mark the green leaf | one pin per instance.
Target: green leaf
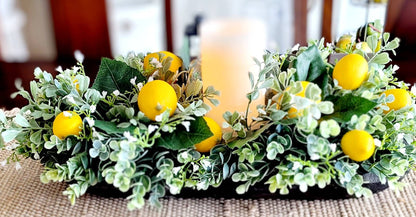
(386, 37)
(77, 148)
(382, 58)
(348, 105)
(21, 121)
(36, 137)
(392, 44)
(2, 143)
(111, 127)
(252, 136)
(115, 75)
(241, 189)
(94, 152)
(9, 135)
(310, 67)
(3, 118)
(84, 160)
(372, 41)
(180, 138)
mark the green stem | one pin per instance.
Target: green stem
(246, 115)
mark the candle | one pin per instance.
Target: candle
(227, 50)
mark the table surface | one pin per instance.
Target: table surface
(22, 194)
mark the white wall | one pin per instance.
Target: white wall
(38, 30)
(277, 14)
(136, 25)
(26, 31)
(314, 22)
(348, 16)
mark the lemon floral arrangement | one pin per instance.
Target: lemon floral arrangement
(333, 115)
(135, 128)
(141, 125)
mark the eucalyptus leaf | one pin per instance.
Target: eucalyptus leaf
(225, 171)
(36, 137)
(94, 152)
(372, 41)
(9, 135)
(104, 156)
(3, 118)
(77, 148)
(215, 102)
(392, 44)
(250, 137)
(181, 138)
(123, 125)
(2, 143)
(84, 160)
(381, 58)
(253, 95)
(386, 36)
(47, 116)
(115, 75)
(34, 89)
(36, 114)
(251, 78)
(21, 121)
(277, 115)
(273, 149)
(241, 189)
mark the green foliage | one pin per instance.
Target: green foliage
(111, 127)
(115, 75)
(349, 105)
(310, 67)
(118, 145)
(196, 132)
(304, 151)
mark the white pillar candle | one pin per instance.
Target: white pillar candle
(228, 47)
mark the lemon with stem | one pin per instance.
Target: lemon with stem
(358, 145)
(155, 97)
(351, 71)
(67, 123)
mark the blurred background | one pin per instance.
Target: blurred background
(46, 33)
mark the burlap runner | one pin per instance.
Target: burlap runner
(22, 194)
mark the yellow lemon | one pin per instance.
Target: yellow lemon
(155, 97)
(67, 123)
(149, 67)
(401, 99)
(209, 143)
(344, 42)
(351, 71)
(358, 145)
